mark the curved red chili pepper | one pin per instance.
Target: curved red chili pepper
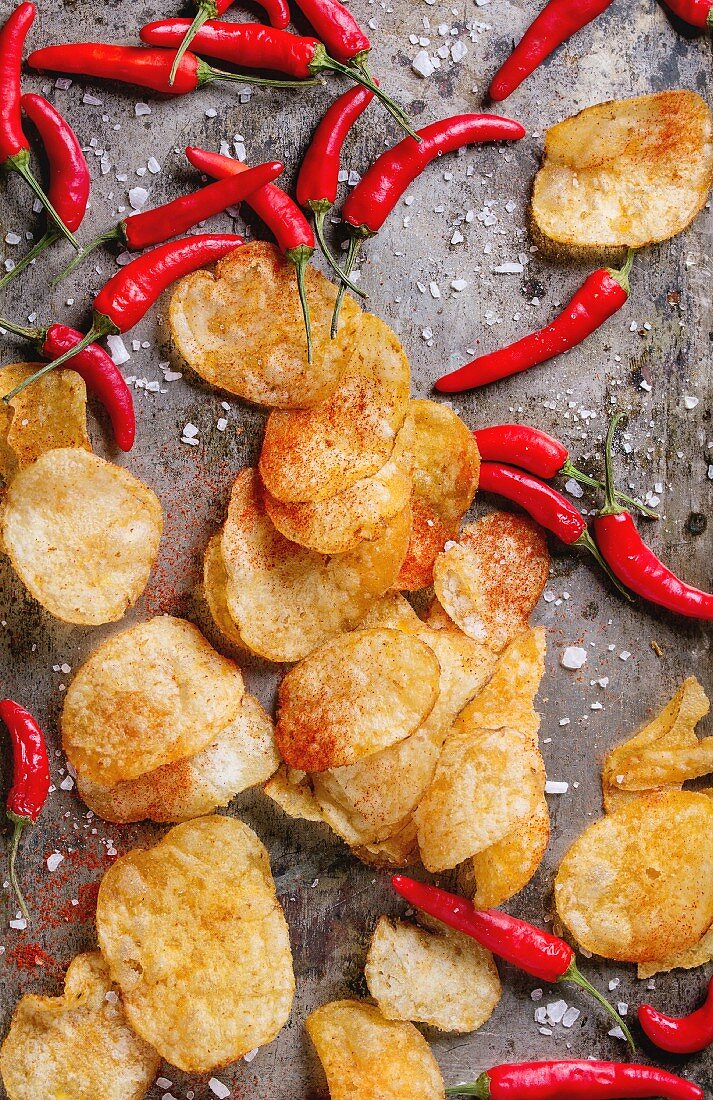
(680, 1034)
(697, 13)
(337, 28)
(570, 1080)
(31, 779)
(277, 10)
(603, 293)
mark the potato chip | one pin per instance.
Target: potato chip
(355, 695)
(446, 471)
(612, 175)
(241, 328)
(50, 413)
(196, 940)
(505, 868)
(290, 790)
(399, 850)
(78, 1046)
(486, 782)
(442, 978)
(215, 590)
(82, 535)
(637, 886)
(367, 1057)
(311, 454)
(287, 600)
(154, 694)
(491, 579)
(242, 756)
(394, 611)
(508, 697)
(698, 955)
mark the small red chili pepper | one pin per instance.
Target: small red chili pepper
(101, 375)
(557, 22)
(634, 564)
(697, 13)
(31, 780)
(14, 146)
(337, 28)
(599, 297)
(544, 956)
(130, 293)
(277, 10)
(680, 1034)
(570, 1080)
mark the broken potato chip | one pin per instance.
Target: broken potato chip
(506, 867)
(290, 789)
(399, 850)
(215, 591)
(508, 698)
(698, 955)
(49, 414)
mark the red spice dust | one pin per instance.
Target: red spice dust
(86, 909)
(28, 956)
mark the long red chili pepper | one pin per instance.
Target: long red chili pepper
(337, 28)
(544, 956)
(603, 293)
(572, 1080)
(31, 780)
(130, 293)
(680, 1034)
(557, 22)
(14, 146)
(634, 564)
(101, 375)
(697, 13)
(280, 214)
(277, 10)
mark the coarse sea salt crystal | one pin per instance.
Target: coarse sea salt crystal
(508, 268)
(141, 109)
(19, 924)
(571, 1016)
(422, 64)
(574, 488)
(117, 350)
(218, 1088)
(574, 657)
(250, 1055)
(556, 1010)
(688, 401)
(138, 197)
(54, 861)
(554, 786)
(153, 166)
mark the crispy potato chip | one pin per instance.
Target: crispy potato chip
(441, 978)
(287, 600)
(50, 413)
(505, 868)
(290, 789)
(491, 579)
(154, 694)
(637, 886)
(215, 590)
(357, 694)
(82, 535)
(241, 328)
(311, 454)
(76, 1046)
(486, 782)
(508, 697)
(625, 173)
(399, 850)
(395, 612)
(196, 940)
(242, 756)
(445, 474)
(367, 1057)
(698, 955)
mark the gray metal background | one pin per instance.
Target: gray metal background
(662, 337)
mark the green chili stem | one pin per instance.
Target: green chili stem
(354, 246)
(319, 219)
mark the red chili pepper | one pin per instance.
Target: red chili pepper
(128, 295)
(599, 297)
(31, 781)
(697, 13)
(544, 956)
(557, 22)
(337, 28)
(101, 375)
(280, 214)
(680, 1034)
(570, 1080)
(277, 10)
(634, 564)
(14, 146)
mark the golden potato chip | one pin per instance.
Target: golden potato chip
(243, 755)
(486, 782)
(50, 413)
(290, 790)
(149, 696)
(367, 1057)
(613, 175)
(637, 886)
(491, 579)
(82, 535)
(505, 868)
(215, 590)
(445, 476)
(508, 697)
(399, 850)
(287, 600)
(362, 511)
(394, 611)
(241, 328)
(357, 694)
(196, 940)
(441, 978)
(311, 454)
(78, 1046)
(698, 955)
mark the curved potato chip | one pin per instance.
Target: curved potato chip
(82, 535)
(395, 612)
(637, 885)
(50, 413)
(242, 756)
(505, 868)
(611, 176)
(399, 850)
(78, 1045)
(287, 600)
(196, 940)
(357, 694)
(698, 955)
(215, 590)
(149, 696)
(312, 454)
(508, 697)
(367, 1057)
(491, 579)
(290, 790)
(241, 328)
(441, 978)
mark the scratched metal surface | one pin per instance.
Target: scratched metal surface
(661, 338)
